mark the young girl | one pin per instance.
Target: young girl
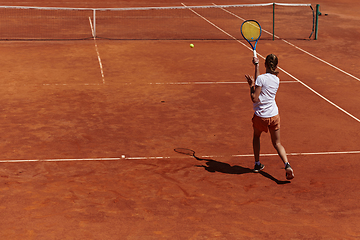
(266, 116)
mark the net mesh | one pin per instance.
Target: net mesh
(162, 23)
(35, 23)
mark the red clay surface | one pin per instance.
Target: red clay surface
(55, 106)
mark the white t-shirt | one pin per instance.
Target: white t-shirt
(266, 106)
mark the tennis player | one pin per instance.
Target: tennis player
(266, 117)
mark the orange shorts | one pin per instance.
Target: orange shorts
(263, 124)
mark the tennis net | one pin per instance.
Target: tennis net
(287, 21)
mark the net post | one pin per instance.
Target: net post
(94, 22)
(317, 21)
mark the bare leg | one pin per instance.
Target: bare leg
(256, 144)
(275, 138)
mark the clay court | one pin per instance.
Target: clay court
(89, 128)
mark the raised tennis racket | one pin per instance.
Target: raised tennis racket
(251, 32)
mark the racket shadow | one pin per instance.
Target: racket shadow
(216, 166)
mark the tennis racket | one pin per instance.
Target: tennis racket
(251, 32)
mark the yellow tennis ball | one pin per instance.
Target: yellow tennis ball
(192, 45)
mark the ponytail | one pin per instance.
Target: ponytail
(271, 63)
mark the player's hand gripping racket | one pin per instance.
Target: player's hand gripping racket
(251, 32)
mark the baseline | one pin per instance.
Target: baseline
(168, 157)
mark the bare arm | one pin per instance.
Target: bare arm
(254, 90)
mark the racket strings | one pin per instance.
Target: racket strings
(251, 30)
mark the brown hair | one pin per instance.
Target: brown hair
(271, 63)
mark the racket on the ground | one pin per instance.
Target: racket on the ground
(185, 151)
(251, 32)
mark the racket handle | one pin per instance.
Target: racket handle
(255, 55)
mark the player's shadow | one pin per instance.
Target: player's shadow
(211, 165)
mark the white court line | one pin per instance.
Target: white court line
(164, 83)
(312, 55)
(308, 87)
(321, 96)
(350, 75)
(97, 52)
(71, 84)
(300, 154)
(164, 158)
(207, 83)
